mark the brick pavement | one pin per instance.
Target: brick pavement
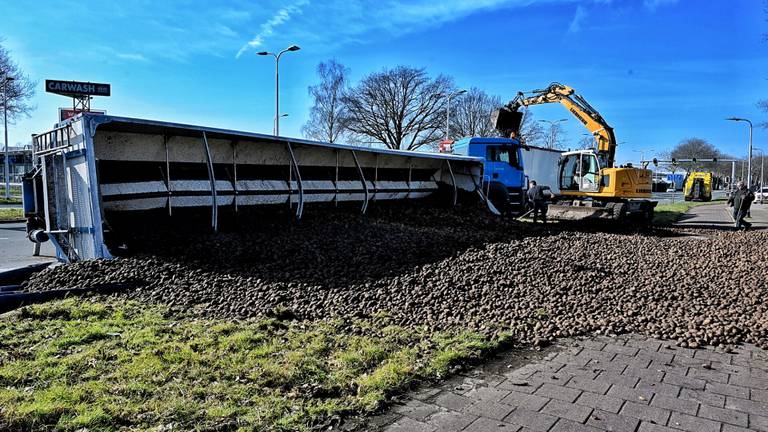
(626, 383)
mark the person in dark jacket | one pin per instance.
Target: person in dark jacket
(538, 200)
(741, 200)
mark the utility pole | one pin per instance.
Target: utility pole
(276, 128)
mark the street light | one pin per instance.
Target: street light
(642, 152)
(749, 156)
(448, 109)
(551, 143)
(276, 130)
(6, 175)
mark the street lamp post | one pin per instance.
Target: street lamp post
(749, 156)
(6, 174)
(276, 129)
(448, 109)
(551, 143)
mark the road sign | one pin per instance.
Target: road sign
(77, 88)
(65, 113)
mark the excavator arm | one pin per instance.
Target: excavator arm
(557, 93)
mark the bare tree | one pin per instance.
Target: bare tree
(471, 114)
(398, 108)
(700, 149)
(587, 142)
(328, 115)
(17, 91)
(531, 132)
(554, 136)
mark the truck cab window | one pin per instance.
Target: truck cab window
(502, 154)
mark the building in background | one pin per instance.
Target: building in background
(20, 162)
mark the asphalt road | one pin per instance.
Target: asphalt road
(16, 249)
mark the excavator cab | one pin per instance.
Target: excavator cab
(579, 171)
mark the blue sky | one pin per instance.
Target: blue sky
(658, 70)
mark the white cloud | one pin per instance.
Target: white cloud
(578, 18)
(268, 28)
(653, 4)
(132, 57)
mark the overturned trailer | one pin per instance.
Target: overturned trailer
(95, 170)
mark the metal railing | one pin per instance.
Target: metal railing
(53, 140)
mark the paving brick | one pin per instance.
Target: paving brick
(612, 422)
(703, 397)
(684, 381)
(425, 393)
(581, 371)
(577, 413)
(557, 378)
(417, 409)
(759, 395)
(659, 387)
(644, 373)
(708, 375)
(650, 427)
(692, 424)
(684, 406)
(732, 428)
(708, 354)
(451, 420)
(592, 344)
(406, 424)
(728, 390)
(748, 381)
(679, 351)
(724, 415)
(645, 412)
(615, 367)
(669, 368)
(745, 405)
(527, 401)
(572, 359)
(633, 395)
(637, 361)
(591, 385)
(489, 409)
(646, 344)
(758, 422)
(558, 392)
(531, 419)
(616, 379)
(621, 349)
(520, 385)
(564, 425)
(487, 393)
(488, 425)
(605, 403)
(589, 354)
(452, 401)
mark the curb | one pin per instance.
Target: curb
(12, 221)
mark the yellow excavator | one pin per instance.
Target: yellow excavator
(590, 186)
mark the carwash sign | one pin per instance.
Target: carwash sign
(77, 88)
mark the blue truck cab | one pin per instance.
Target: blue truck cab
(504, 180)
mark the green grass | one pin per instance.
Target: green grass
(667, 214)
(76, 364)
(11, 200)
(10, 214)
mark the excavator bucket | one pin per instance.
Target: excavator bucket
(506, 121)
(100, 178)
(575, 213)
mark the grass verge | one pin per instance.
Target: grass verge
(11, 214)
(78, 364)
(11, 200)
(667, 214)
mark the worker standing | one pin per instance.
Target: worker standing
(741, 200)
(538, 199)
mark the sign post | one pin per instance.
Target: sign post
(80, 92)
